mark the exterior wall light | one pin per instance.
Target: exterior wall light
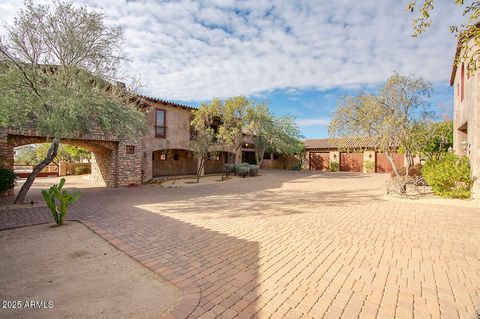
(465, 145)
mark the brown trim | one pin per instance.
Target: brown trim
(164, 135)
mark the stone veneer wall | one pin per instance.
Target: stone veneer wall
(110, 162)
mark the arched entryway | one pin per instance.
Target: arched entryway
(172, 162)
(214, 163)
(103, 162)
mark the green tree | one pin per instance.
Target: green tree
(470, 52)
(57, 64)
(388, 117)
(26, 155)
(431, 139)
(202, 125)
(233, 122)
(261, 129)
(287, 140)
(78, 153)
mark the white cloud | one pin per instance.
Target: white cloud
(196, 50)
(313, 122)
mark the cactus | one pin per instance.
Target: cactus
(64, 199)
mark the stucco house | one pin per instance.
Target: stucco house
(466, 137)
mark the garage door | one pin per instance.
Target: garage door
(319, 161)
(383, 164)
(351, 162)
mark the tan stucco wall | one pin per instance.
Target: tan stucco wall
(468, 111)
(177, 134)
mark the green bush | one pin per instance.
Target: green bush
(297, 167)
(253, 170)
(54, 194)
(7, 179)
(333, 166)
(370, 166)
(242, 170)
(82, 170)
(228, 169)
(449, 176)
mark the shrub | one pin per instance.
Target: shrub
(81, 170)
(253, 170)
(239, 166)
(7, 179)
(369, 166)
(228, 169)
(297, 167)
(333, 166)
(449, 176)
(242, 170)
(54, 194)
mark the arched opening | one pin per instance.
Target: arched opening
(172, 162)
(214, 164)
(70, 160)
(95, 159)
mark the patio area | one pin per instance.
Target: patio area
(291, 244)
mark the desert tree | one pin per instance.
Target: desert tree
(233, 123)
(58, 67)
(387, 117)
(203, 133)
(287, 141)
(468, 34)
(261, 129)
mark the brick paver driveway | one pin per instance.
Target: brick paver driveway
(293, 244)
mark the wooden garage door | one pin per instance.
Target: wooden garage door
(351, 162)
(319, 161)
(383, 164)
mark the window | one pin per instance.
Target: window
(275, 156)
(160, 127)
(130, 149)
(267, 155)
(462, 81)
(176, 157)
(163, 157)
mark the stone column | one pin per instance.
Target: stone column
(369, 161)
(6, 156)
(334, 157)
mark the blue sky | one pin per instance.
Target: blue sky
(300, 56)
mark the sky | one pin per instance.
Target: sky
(299, 56)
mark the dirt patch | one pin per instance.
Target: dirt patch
(70, 272)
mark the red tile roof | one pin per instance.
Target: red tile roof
(335, 143)
(155, 100)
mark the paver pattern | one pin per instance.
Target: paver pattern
(292, 245)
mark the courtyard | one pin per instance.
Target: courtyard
(289, 244)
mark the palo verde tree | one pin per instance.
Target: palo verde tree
(261, 129)
(233, 122)
(202, 126)
(287, 140)
(388, 117)
(57, 64)
(468, 34)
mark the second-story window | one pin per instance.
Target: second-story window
(160, 127)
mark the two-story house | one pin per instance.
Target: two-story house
(466, 137)
(167, 142)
